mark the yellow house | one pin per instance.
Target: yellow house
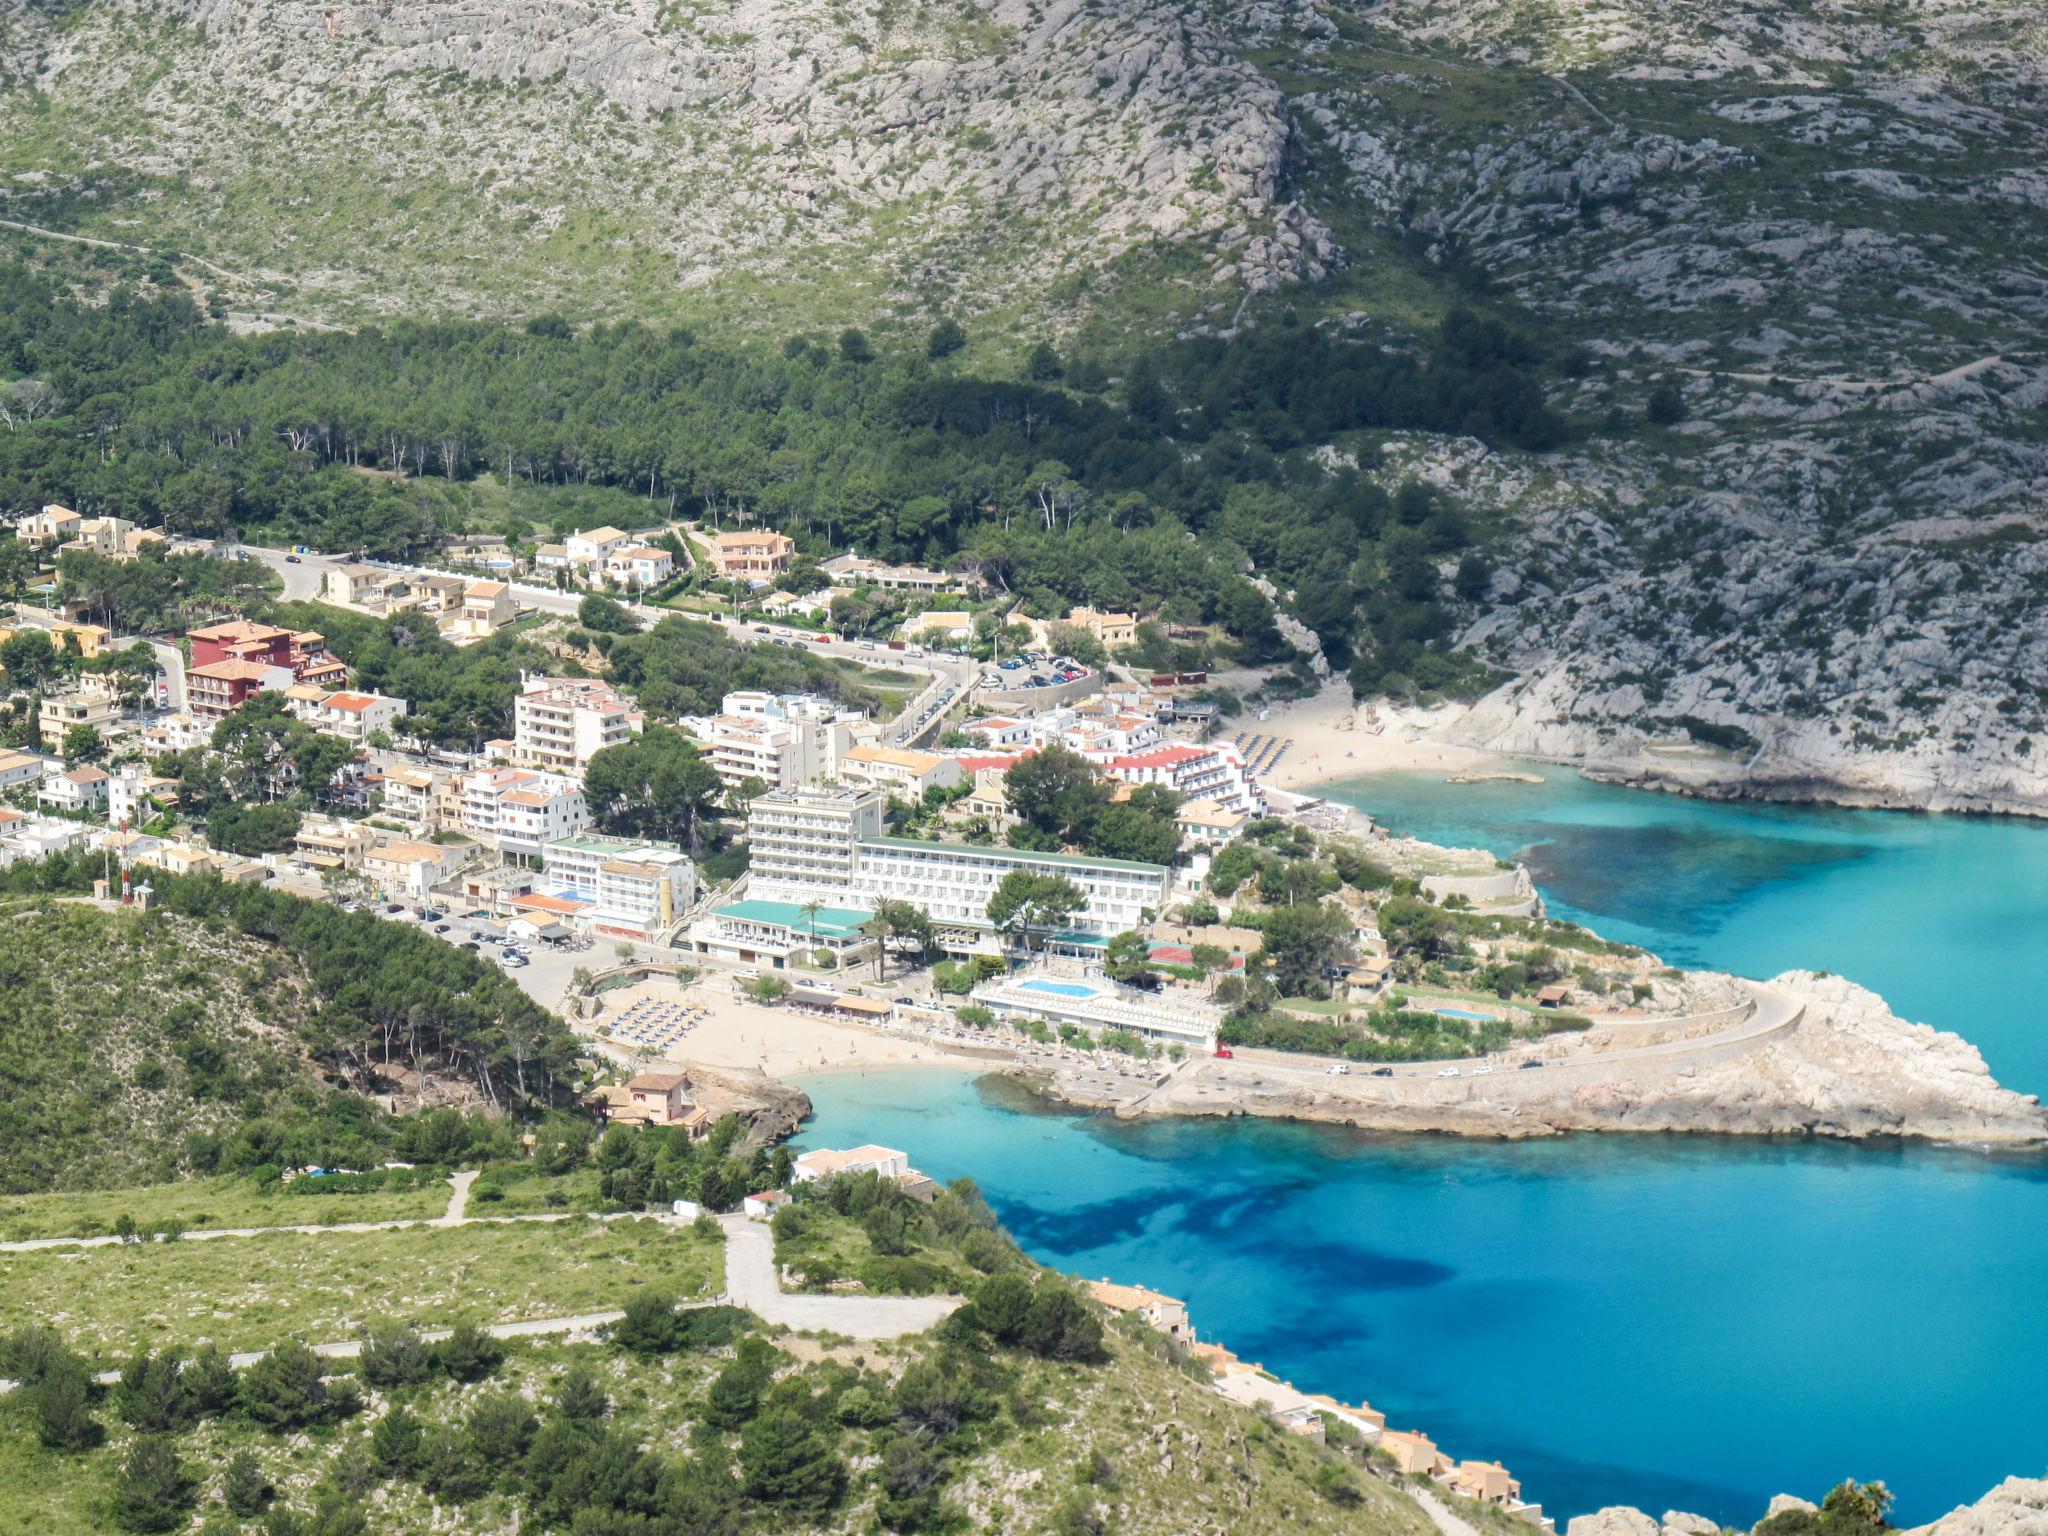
(1110, 628)
(92, 638)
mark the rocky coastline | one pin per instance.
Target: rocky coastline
(2016, 1507)
(1840, 1065)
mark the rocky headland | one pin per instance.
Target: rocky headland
(2016, 1507)
(1817, 1056)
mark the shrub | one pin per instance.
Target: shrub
(154, 1492)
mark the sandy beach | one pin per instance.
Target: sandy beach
(739, 1035)
(1334, 738)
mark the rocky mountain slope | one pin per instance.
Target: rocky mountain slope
(1799, 256)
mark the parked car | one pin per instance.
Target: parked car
(394, 906)
(1448, 1072)
(1481, 1071)
(1382, 1071)
(431, 914)
(1527, 1065)
(293, 560)
(1225, 1053)
(1340, 1070)
(467, 944)
(440, 927)
(904, 1002)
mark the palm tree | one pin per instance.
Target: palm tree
(881, 928)
(810, 910)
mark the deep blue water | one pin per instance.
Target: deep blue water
(1658, 1321)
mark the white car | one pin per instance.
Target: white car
(1340, 1070)
(1481, 1071)
(1448, 1072)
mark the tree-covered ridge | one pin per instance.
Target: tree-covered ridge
(370, 995)
(1160, 479)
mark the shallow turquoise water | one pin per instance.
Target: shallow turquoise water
(1946, 916)
(1659, 1321)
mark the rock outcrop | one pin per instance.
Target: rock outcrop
(2016, 1507)
(1820, 1056)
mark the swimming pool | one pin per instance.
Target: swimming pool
(1464, 1013)
(1057, 988)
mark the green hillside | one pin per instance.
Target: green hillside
(122, 1035)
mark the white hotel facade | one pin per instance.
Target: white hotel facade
(826, 843)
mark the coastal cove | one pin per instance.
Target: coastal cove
(1670, 1322)
(1692, 1323)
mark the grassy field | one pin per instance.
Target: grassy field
(201, 1203)
(246, 1293)
(523, 1192)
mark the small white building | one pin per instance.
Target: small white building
(762, 1207)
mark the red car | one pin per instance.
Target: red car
(1225, 1053)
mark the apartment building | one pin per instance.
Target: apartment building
(519, 812)
(781, 739)
(325, 842)
(176, 733)
(221, 687)
(416, 795)
(625, 887)
(134, 794)
(303, 653)
(826, 843)
(907, 772)
(95, 703)
(351, 716)
(1213, 773)
(560, 723)
(759, 555)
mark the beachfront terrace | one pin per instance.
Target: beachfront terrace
(1097, 1005)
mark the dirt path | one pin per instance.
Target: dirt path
(751, 1282)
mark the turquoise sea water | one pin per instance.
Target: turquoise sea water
(1659, 1321)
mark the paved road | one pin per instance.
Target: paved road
(751, 1282)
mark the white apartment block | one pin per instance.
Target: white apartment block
(781, 739)
(561, 723)
(633, 889)
(1212, 773)
(415, 795)
(826, 843)
(176, 733)
(519, 813)
(906, 771)
(349, 715)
